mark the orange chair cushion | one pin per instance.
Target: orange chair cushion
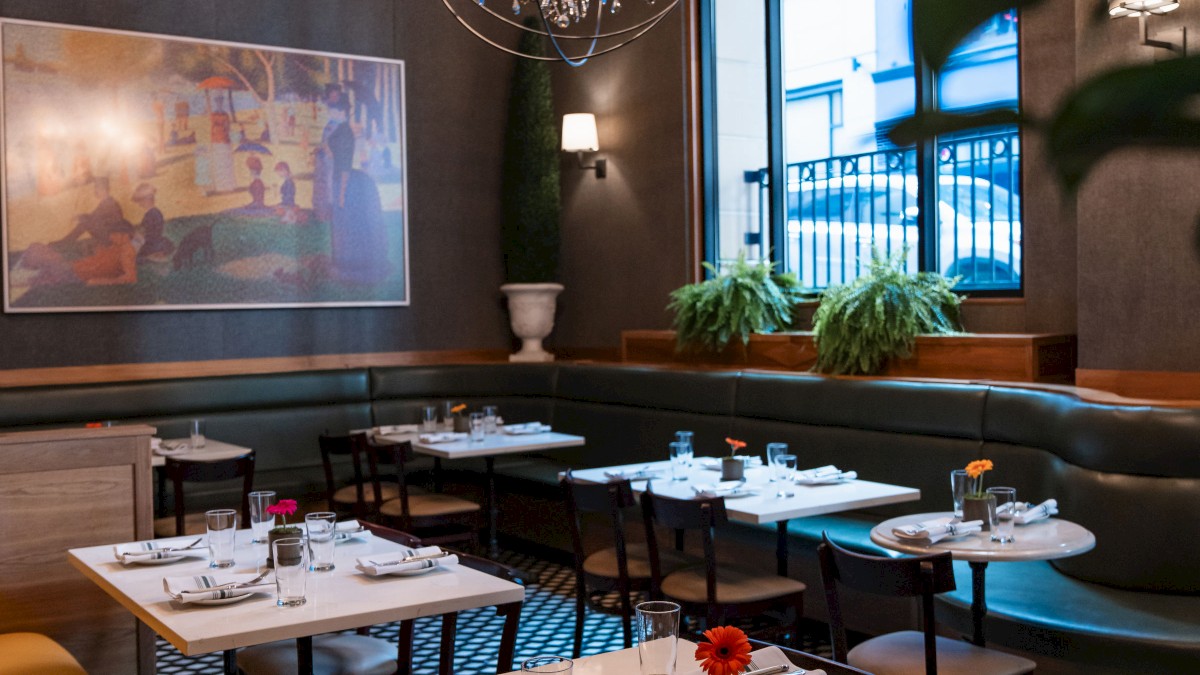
(35, 654)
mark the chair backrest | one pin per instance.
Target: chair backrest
(332, 446)
(180, 471)
(703, 515)
(395, 454)
(917, 576)
(610, 499)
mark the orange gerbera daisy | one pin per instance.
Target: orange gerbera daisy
(975, 469)
(735, 444)
(727, 651)
(458, 408)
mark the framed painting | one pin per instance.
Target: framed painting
(149, 172)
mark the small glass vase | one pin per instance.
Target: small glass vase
(979, 508)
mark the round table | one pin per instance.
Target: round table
(1041, 540)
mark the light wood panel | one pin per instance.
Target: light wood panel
(1181, 386)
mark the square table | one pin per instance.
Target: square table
(489, 448)
(765, 507)
(338, 600)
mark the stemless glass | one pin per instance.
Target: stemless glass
(490, 413)
(429, 419)
(320, 528)
(291, 570)
(785, 470)
(560, 665)
(447, 415)
(958, 487)
(261, 522)
(477, 428)
(657, 633)
(774, 450)
(198, 428)
(686, 437)
(1002, 528)
(222, 529)
(680, 454)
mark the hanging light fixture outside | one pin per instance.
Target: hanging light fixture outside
(576, 29)
(1175, 41)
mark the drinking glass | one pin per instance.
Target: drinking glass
(198, 427)
(785, 469)
(261, 522)
(429, 419)
(320, 528)
(958, 486)
(447, 416)
(686, 437)
(560, 665)
(1002, 529)
(657, 636)
(291, 570)
(490, 413)
(477, 428)
(680, 454)
(774, 450)
(222, 527)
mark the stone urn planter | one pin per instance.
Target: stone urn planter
(531, 314)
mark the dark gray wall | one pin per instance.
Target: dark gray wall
(456, 88)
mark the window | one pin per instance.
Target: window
(813, 109)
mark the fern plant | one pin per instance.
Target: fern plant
(747, 298)
(858, 327)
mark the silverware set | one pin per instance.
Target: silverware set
(156, 551)
(411, 559)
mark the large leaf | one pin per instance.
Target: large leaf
(939, 25)
(928, 124)
(1145, 105)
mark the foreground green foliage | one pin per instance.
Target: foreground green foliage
(748, 298)
(878, 316)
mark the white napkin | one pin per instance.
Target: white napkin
(369, 567)
(444, 437)
(195, 589)
(1029, 514)
(175, 447)
(714, 463)
(349, 528)
(759, 659)
(826, 478)
(819, 471)
(154, 550)
(635, 474)
(527, 428)
(933, 531)
(396, 429)
(722, 489)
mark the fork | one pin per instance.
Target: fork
(415, 558)
(154, 551)
(237, 584)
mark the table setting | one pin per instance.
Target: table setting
(407, 562)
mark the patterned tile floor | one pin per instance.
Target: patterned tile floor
(547, 621)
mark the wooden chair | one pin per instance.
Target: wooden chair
(621, 567)
(435, 518)
(716, 593)
(350, 498)
(358, 654)
(181, 471)
(904, 652)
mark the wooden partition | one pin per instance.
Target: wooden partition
(62, 489)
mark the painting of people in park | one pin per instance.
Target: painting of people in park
(146, 172)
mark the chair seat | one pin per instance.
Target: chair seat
(193, 523)
(734, 585)
(348, 495)
(35, 654)
(425, 506)
(341, 654)
(603, 563)
(903, 653)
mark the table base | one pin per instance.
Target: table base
(978, 600)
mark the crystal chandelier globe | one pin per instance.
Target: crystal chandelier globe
(576, 29)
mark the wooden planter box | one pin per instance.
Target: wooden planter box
(981, 356)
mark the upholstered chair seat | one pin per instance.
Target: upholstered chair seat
(903, 653)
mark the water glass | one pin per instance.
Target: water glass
(477, 428)
(261, 522)
(560, 665)
(686, 437)
(222, 528)
(1002, 529)
(775, 450)
(657, 633)
(680, 454)
(447, 415)
(291, 571)
(785, 470)
(320, 528)
(958, 486)
(490, 413)
(429, 419)
(198, 427)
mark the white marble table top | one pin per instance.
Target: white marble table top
(1042, 540)
(764, 507)
(337, 600)
(493, 444)
(211, 452)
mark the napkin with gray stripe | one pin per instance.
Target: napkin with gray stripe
(207, 588)
(935, 530)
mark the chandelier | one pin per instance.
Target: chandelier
(576, 29)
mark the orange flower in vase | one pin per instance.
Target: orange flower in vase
(734, 445)
(727, 651)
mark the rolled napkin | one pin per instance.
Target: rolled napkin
(527, 428)
(1029, 514)
(205, 588)
(933, 531)
(827, 478)
(634, 474)
(175, 447)
(349, 528)
(722, 489)
(396, 429)
(770, 659)
(714, 463)
(819, 471)
(405, 560)
(443, 437)
(144, 551)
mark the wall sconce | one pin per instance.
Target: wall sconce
(579, 136)
(1144, 8)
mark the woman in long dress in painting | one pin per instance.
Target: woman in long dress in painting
(358, 236)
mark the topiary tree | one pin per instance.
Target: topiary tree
(530, 199)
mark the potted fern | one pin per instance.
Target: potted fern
(861, 326)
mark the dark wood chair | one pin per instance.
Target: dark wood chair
(182, 471)
(904, 651)
(352, 498)
(622, 567)
(810, 661)
(717, 594)
(435, 518)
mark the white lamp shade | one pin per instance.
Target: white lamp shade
(1138, 7)
(579, 133)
